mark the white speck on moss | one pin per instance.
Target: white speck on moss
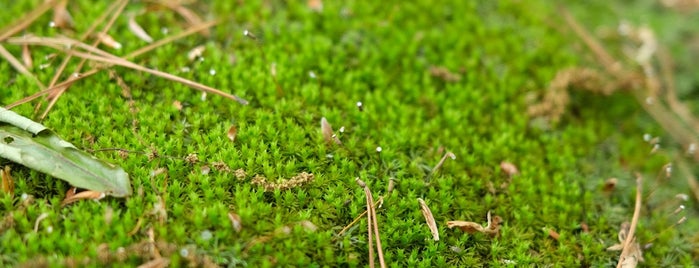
(206, 235)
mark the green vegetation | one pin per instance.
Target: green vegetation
(378, 53)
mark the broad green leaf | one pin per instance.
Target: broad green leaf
(29, 143)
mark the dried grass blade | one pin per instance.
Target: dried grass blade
(189, 31)
(134, 54)
(27, 57)
(429, 219)
(137, 30)
(61, 16)
(327, 130)
(131, 65)
(94, 195)
(8, 185)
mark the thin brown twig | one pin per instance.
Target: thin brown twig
(634, 220)
(141, 51)
(356, 219)
(105, 57)
(187, 82)
(54, 96)
(605, 58)
(191, 30)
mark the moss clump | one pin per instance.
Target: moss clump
(400, 60)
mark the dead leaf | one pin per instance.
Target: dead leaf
(327, 130)
(27, 57)
(308, 225)
(61, 16)
(235, 221)
(177, 104)
(192, 18)
(509, 168)
(492, 229)
(72, 196)
(232, 132)
(444, 74)
(609, 185)
(553, 234)
(466, 226)
(196, 52)
(635, 254)
(221, 166)
(137, 30)
(429, 219)
(108, 40)
(391, 185)
(8, 185)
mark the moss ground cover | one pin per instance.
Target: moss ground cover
(391, 57)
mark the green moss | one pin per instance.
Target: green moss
(379, 54)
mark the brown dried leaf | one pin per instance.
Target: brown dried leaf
(308, 225)
(192, 18)
(327, 130)
(553, 234)
(466, 226)
(8, 185)
(72, 197)
(509, 168)
(232, 132)
(137, 30)
(61, 16)
(196, 52)
(315, 5)
(177, 104)
(492, 229)
(108, 40)
(27, 57)
(444, 74)
(429, 219)
(235, 222)
(610, 185)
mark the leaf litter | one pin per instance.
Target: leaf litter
(492, 228)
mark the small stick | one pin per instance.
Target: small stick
(131, 55)
(356, 220)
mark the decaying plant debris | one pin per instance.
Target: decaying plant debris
(429, 218)
(218, 187)
(372, 222)
(492, 228)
